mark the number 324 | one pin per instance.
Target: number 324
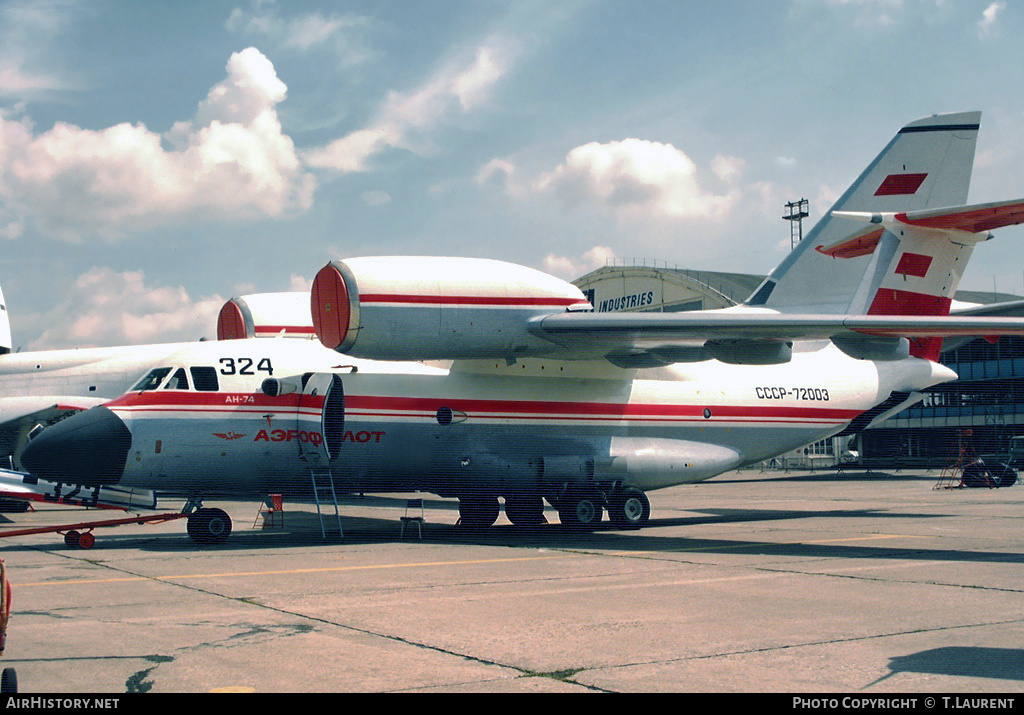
(244, 366)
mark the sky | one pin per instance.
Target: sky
(159, 158)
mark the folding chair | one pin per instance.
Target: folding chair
(413, 504)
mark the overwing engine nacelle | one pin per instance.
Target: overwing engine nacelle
(428, 307)
(265, 315)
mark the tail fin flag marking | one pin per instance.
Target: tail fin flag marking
(901, 184)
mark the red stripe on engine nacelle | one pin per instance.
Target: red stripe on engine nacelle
(467, 299)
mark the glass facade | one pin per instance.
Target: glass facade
(980, 412)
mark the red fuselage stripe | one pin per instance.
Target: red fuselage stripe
(465, 299)
(380, 406)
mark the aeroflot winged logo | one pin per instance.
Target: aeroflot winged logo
(229, 436)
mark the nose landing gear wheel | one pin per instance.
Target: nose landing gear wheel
(209, 526)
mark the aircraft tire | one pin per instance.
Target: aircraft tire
(71, 539)
(209, 526)
(525, 509)
(478, 512)
(581, 513)
(9, 681)
(630, 508)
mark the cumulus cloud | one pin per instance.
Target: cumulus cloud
(987, 24)
(460, 87)
(299, 283)
(572, 268)
(637, 174)
(232, 160)
(105, 308)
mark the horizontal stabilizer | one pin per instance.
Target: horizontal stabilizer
(861, 243)
(973, 219)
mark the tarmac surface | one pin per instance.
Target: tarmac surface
(797, 582)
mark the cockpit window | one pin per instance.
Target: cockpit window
(205, 378)
(152, 379)
(178, 381)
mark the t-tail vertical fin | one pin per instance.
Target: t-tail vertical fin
(926, 165)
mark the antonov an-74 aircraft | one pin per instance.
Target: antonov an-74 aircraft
(546, 399)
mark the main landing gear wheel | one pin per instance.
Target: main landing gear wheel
(629, 508)
(209, 526)
(478, 512)
(580, 512)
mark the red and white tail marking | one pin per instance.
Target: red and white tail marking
(934, 246)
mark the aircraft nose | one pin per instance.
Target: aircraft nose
(89, 448)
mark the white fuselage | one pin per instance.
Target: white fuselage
(486, 424)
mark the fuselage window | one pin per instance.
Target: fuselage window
(152, 379)
(205, 378)
(178, 381)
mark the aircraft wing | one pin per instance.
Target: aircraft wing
(621, 328)
(17, 413)
(680, 337)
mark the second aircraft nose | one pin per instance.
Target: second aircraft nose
(89, 448)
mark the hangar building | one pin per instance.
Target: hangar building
(983, 409)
